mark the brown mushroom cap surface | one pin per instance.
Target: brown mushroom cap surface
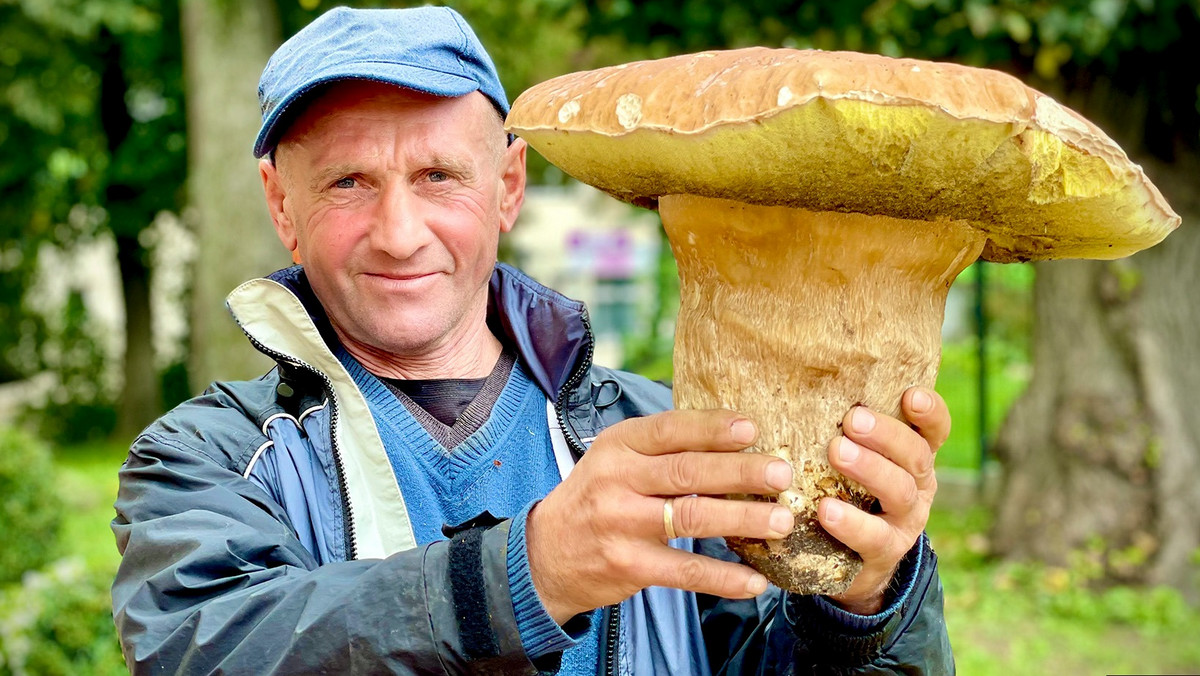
(819, 206)
(854, 133)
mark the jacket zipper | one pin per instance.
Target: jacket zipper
(351, 541)
(613, 639)
(613, 630)
(560, 406)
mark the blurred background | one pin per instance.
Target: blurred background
(130, 205)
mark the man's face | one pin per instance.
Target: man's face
(394, 201)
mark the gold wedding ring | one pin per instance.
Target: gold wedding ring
(669, 518)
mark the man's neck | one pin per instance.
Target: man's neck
(472, 355)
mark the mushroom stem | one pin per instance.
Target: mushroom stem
(792, 317)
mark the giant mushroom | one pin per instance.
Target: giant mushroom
(819, 205)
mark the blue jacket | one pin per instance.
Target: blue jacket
(262, 530)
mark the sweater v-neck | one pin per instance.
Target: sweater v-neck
(471, 418)
(438, 447)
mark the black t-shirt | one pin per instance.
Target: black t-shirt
(442, 399)
(452, 409)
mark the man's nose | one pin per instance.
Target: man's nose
(401, 228)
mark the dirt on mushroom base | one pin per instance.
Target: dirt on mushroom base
(792, 317)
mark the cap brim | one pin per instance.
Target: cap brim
(408, 77)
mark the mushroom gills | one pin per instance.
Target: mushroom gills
(792, 317)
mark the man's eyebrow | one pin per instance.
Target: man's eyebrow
(455, 164)
(331, 172)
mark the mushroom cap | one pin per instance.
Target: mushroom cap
(854, 133)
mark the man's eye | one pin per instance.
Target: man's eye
(344, 182)
(438, 176)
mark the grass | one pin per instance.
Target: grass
(1015, 619)
(958, 383)
(88, 475)
(57, 619)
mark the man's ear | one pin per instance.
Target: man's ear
(276, 194)
(513, 178)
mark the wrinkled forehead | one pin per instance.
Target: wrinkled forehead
(327, 106)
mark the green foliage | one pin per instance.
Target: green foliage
(30, 509)
(175, 387)
(87, 481)
(59, 620)
(1027, 618)
(1073, 593)
(1007, 305)
(91, 139)
(79, 408)
(1123, 280)
(958, 382)
(1008, 310)
(59, 623)
(44, 161)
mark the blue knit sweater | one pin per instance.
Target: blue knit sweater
(504, 467)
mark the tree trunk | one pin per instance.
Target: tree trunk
(141, 396)
(226, 45)
(1102, 451)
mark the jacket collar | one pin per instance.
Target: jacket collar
(550, 332)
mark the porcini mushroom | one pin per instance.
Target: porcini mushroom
(819, 205)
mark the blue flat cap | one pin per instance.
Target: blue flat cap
(429, 49)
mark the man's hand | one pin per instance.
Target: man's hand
(895, 463)
(599, 536)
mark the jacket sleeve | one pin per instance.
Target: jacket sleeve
(214, 580)
(793, 634)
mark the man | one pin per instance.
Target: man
(408, 492)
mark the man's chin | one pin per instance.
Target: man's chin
(410, 341)
(412, 337)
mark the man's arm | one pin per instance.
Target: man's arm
(213, 579)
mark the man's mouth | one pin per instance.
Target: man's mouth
(401, 276)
